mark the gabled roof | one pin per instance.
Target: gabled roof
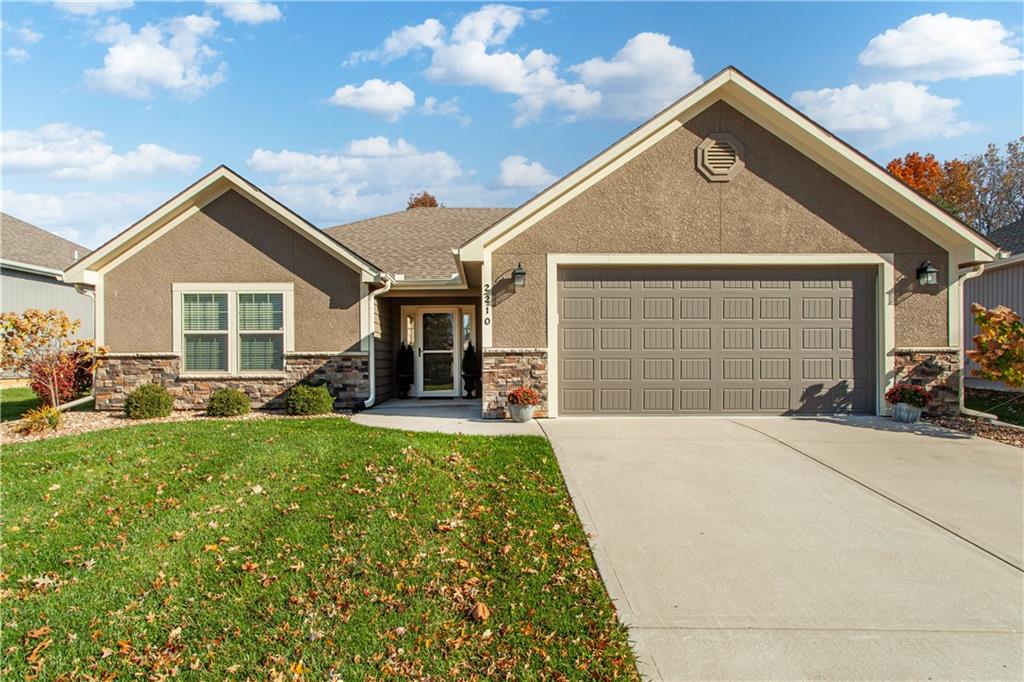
(783, 121)
(192, 199)
(1010, 237)
(22, 244)
(418, 242)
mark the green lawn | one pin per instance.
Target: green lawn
(15, 402)
(241, 548)
(1009, 407)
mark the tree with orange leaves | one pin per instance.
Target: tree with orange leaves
(923, 174)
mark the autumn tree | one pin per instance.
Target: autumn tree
(43, 344)
(999, 345)
(998, 187)
(923, 174)
(985, 191)
(422, 200)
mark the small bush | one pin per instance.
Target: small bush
(73, 378)
(149, 401)
(227, 402)
(42, 419)
(304, 399)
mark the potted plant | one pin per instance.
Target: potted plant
(521, 401)
(406, 364)
(470, 371)
(908, 400)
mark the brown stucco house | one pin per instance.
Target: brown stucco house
(727, 256)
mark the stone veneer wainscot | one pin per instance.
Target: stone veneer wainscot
(118, 374)
(508, 368)
(936, 369)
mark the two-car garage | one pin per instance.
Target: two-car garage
(723, 340)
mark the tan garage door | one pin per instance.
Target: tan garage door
(713, 341)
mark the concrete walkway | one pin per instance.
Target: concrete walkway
(443, 415)
(740, 549)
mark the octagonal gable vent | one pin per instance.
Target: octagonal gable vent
(719, 157)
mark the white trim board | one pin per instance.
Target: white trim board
(885, 318)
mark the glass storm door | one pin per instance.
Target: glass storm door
(436, 357)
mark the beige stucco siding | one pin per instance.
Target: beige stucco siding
(658, 203)
(231, 240)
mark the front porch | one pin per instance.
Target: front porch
(445, 415)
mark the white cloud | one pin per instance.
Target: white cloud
(17, 54)
(93, 7)
(27, 36)
(377, 97)
(450, 108)
(883, 114)
(491, 24)
(88, 218)
(62, 151)
(646, 75)
(402, 41)
(518, 171)
(248, 11)
(171, 55)
(932, 47)
(370, 176)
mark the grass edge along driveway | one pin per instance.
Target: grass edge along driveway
(305, 548)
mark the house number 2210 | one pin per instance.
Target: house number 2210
(487, 303)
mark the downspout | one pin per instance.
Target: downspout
(371, 359)
(963, 353)
(91, 293)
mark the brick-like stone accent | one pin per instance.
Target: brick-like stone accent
(936, 369)
(347, 376)
(505, 369)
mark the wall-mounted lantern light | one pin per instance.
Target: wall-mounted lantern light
(519, 276)
(927, 274)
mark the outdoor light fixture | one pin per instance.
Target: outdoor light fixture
(519, 277)
(927, 274)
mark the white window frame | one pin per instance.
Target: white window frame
(233, 289)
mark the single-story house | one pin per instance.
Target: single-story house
(1000, 283)
(32, 262)
(728, 256)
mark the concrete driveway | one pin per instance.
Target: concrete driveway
(771, 548)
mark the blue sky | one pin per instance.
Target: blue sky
(343, 110)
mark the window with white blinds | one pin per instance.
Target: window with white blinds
(233, 331)
(264, 313)
(204, 318)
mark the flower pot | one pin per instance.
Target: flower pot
(470, 382)
(908, 414)
(521, 413)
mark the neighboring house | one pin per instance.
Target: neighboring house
(1001, 283)
(32, 262)
(729, 256)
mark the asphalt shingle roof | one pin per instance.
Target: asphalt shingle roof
(1010, 237)
(25, 243)
(417, 242)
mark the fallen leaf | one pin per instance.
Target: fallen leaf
(39, 632)
(480, 612)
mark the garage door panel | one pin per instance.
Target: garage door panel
(726, 340)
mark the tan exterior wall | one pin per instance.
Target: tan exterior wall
(231, 240)
(659, 203)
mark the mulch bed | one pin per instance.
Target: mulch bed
(76, 423)
(1011, 435)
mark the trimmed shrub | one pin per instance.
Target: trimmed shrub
(45, 418)
(148, 401)
(305, 399)
(227, 402)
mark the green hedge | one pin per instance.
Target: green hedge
(305, 399)
(149, 401)
(227, 402)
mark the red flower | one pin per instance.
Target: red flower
(523, 395)
(910, 394)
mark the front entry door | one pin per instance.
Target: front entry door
(437, 370)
